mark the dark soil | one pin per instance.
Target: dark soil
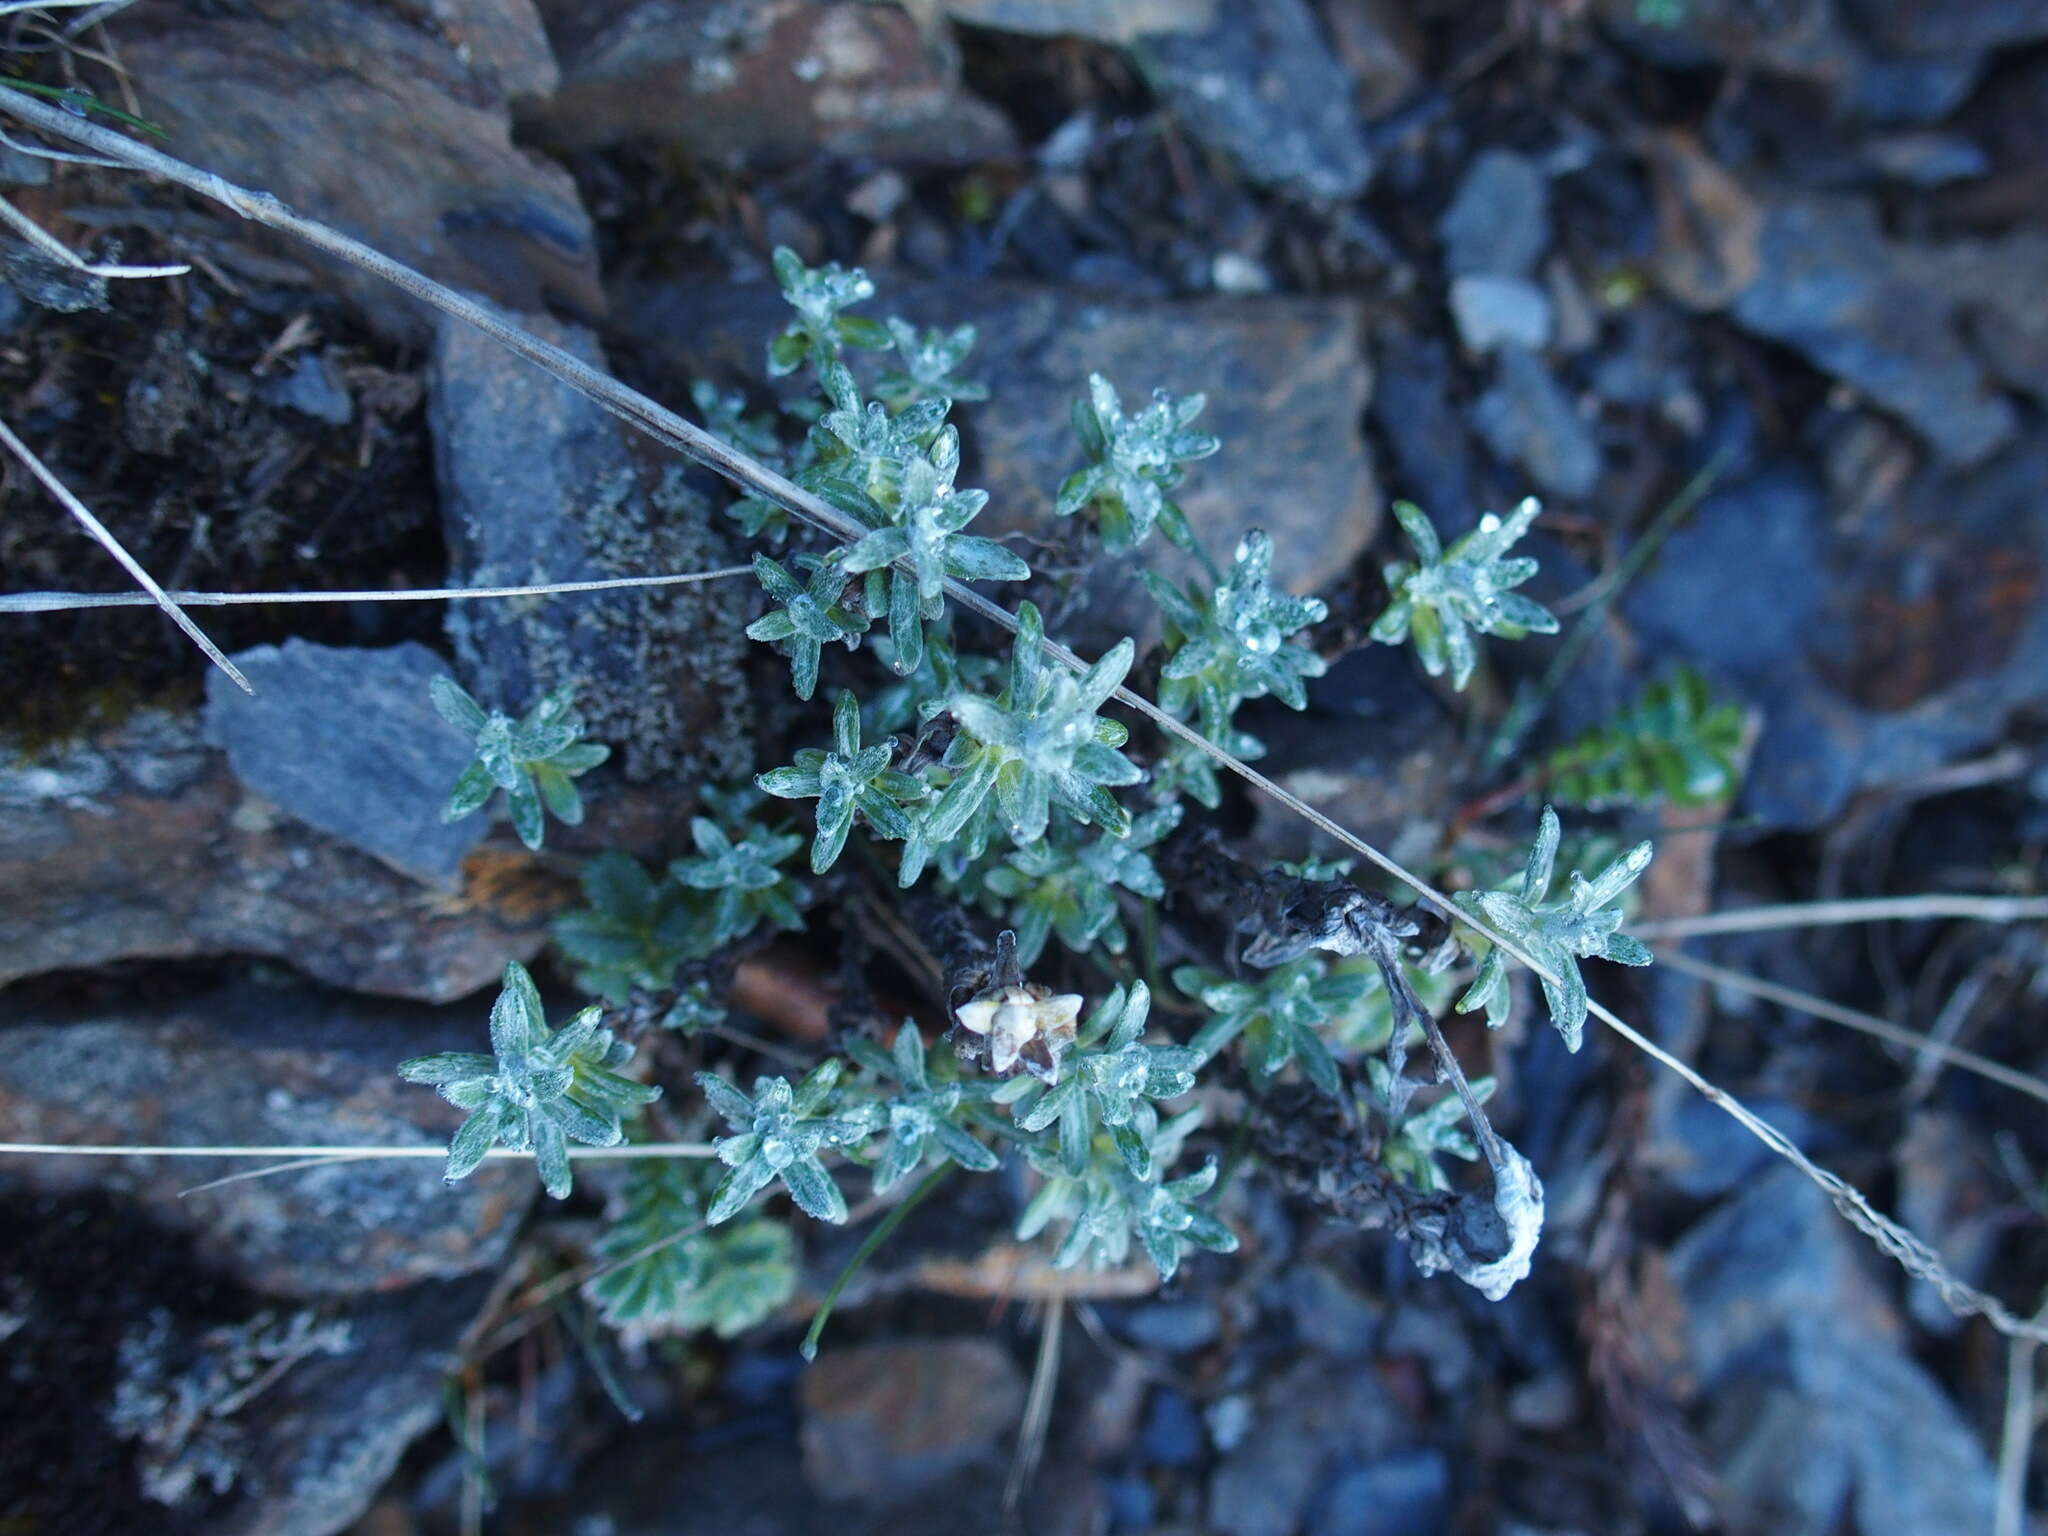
(86, 1272)
(153, 414)
(161, 413)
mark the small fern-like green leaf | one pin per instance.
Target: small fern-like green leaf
(1676, 744)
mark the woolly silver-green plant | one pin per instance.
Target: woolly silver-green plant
(538, 1090)
(1444, 597)
(1558, 934)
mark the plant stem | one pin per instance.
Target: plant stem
(880, 1235)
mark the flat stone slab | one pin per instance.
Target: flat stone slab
(139, 842)
(303, 101)
(347, 740)
(253, 1065)
(764, 80)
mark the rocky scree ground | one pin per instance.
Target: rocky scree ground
(1445, 252)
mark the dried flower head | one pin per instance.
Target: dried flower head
(1023, 1023)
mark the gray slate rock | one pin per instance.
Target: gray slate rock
(1734, 590)
(20, 169)
(1178, 1327)
(313, 1449)
(316, 92)
(763, 81)
(1492, 312)
(648, 1487)
(1830, 286)
(1997, 290)
(1703, 1153)
(314, 388)
(348, 741)
(1428, 1330)
(1824, 1414)
(1827, 44)
(1173, 1435)
(885, 1421)
(1286, 380)
(330, 1434)
(1499, 220)
(654, 1486)
(1421, 424)
(502, 41)
(538, 485)
(1925, 158)
(139, 842)
(1736, 581)
(1382, 48)
(1880, 647)
(1263, 87)
(1310, 1426)
(250, 1066)
(1529, 420)
(1330, 1316)
(116, 1319)
(1925, 27)
(1406, 1494)
(1106, 21)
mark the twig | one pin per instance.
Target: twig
(1447, 1067)
(667, 427)
(2008, 762)
(1821, 914)
(1853, 1018)
(112, 545)
(57, 602)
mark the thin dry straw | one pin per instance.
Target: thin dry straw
(15, 7)
(322, 1157)
(1854, 1018)
(112, 545)
(63, 255)
(624, 1152)
(665, 426)
(1823, 914)
(58, 602)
